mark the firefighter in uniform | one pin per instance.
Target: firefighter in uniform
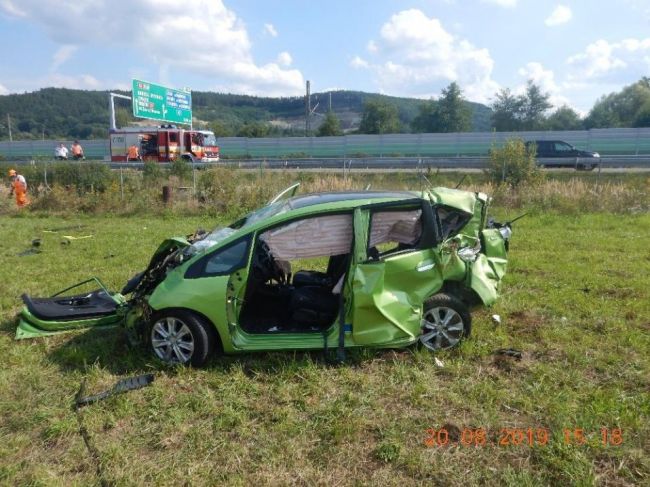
(77, 151)
(133, 153)
(18, 188)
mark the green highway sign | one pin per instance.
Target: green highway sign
(161, 103)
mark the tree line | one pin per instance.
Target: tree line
(62, 113)
(530, 110)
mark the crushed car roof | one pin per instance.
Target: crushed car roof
(312, 199)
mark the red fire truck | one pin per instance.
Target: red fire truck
(164, 143)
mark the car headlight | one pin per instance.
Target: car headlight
(506, 232)
(469, 254)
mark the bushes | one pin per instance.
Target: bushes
(181, 169)
(230, 193)
(152, 173)
(514, 164)
(86, 177)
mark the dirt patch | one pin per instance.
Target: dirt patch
(612, 471)
(529, 272)
(453, 431)
(526, 322)
(645, 326)
(619, 293)
(617, 273)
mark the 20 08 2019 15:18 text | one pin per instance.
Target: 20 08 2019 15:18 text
(531, 437)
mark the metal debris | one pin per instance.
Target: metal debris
(123, 385)
(509, 352)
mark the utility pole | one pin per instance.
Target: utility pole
(307, 111)
(111, 107)
(9, 126)
(330, 104)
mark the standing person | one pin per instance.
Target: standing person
(18, 188)
(133, 153)
(61, 152)
(77, 151)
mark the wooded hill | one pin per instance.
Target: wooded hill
(64, 113)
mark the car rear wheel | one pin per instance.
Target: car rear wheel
(181, 337)
(445, 322)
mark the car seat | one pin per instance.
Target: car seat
(313, 306)
(335, 269)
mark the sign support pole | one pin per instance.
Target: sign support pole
(111, 107)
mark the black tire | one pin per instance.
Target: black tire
(446, 320)
(198, 331)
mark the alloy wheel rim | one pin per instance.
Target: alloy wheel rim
(172, 340)
(442, 327)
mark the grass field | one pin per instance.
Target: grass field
(575, 302)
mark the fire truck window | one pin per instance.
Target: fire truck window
(196, 139)
(173, 137)
(148, 145)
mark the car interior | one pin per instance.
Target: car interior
(298, 269)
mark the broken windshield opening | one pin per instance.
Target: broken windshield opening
(267, 212)
(209, 240)
(220, 234)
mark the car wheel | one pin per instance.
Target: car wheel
(445, 322)
(181, 337)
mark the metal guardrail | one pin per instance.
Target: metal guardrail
(608, 142)
(391, 163)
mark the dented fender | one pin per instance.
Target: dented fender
(489, 267)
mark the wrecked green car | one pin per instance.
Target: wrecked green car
(316, 271)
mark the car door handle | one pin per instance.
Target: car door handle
(425, 266)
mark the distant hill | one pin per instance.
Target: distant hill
(63, 113)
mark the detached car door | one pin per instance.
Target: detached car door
(394, 271)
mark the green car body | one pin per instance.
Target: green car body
(220, 284)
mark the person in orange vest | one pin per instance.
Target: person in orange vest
(133, 153)
(77, 151)
(18, 188)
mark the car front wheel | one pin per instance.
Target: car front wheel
(181, 337)
(445, 322)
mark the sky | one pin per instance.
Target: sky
(576, 50)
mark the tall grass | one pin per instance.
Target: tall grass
(94, 189)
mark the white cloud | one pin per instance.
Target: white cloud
(536, 72)
(201, 37)
(623, 61)
(84, 81)
(284, 59)
(560, 15)
(3, 90)
(545, 79)
(359, 63)
(62, 54)
(270, 30)
(11, 8)
(502, 3)
(417, 56)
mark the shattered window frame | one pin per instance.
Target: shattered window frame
(459, 224)
(199, 268)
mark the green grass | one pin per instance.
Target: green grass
(575, 301)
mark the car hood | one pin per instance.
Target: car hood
(456, 198)
(176, 242)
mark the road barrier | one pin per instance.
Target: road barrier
(469, 149)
